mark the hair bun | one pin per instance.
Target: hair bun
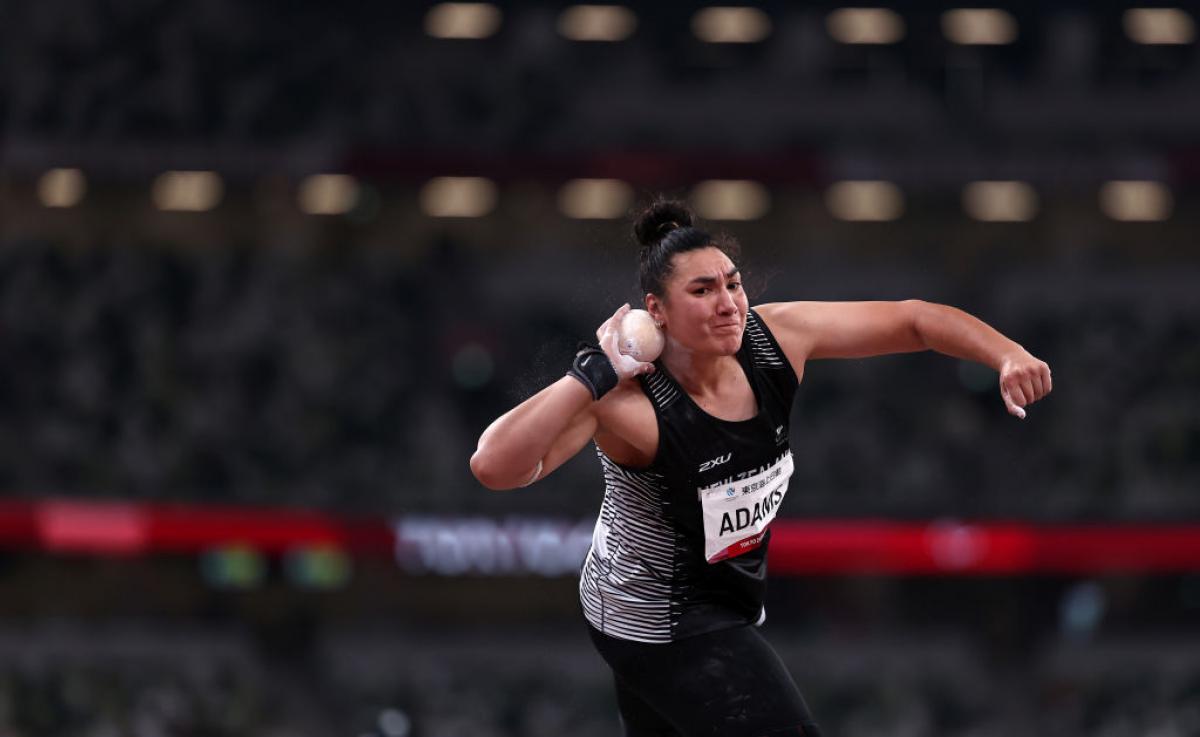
(659, 219)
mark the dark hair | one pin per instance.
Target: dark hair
(665, 228)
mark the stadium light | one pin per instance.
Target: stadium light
(595, 199)
(865, 201)
(462, 20)
(731, 199)
(328, 194)
(1000, 201)
(1159, 26)
(979, 26)
(731, 25)
(865, 26)
(1136, 201)
(458, 197)
(597, 23)
(187, 191)
(61, 188)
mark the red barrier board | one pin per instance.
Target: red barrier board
(798, 547)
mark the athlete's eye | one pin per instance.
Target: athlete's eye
(734, 286)
(700, 292)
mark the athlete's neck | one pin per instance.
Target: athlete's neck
(699, 374)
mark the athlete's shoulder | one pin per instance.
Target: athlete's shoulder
(785, 315)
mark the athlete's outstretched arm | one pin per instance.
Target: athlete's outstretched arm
(543, 432)
(858, 329)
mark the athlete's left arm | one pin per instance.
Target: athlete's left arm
(858, 329)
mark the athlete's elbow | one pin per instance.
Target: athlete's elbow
(486, 470)
(918, 314)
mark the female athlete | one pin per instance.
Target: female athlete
(694, 449)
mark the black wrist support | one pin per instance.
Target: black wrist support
(594, 370)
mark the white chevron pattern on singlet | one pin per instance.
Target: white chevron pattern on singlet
(625, 586)
(765, 354)
(662, 389)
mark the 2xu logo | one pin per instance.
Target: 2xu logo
(709, 465)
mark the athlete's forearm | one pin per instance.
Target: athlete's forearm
(955, 333)
(512, 448)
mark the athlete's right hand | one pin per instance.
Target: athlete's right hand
(609, 339)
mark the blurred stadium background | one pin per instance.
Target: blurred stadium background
(267, 270)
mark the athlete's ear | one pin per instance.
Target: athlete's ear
(655, 308)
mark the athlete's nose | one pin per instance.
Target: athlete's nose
(726, 305)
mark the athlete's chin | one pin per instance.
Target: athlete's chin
(727, 345)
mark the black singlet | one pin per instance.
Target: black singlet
(680, 547)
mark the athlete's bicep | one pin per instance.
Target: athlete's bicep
(843, 329)
(570, 441)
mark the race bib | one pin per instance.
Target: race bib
(738, 509)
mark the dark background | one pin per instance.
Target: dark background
(253, 354)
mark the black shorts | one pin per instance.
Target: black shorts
(728, 683)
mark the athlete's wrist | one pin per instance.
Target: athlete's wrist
(592, 368)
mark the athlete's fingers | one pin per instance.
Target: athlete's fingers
(615, 320)
(639, 368)
(610, 325)
(1039, 375)
(627, 366)
(1043, 377)
(1015, 391)
(1013, 407)
(609, 338)
(1023, 380)
(1027, 391)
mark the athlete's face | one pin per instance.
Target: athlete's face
(703, 308)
